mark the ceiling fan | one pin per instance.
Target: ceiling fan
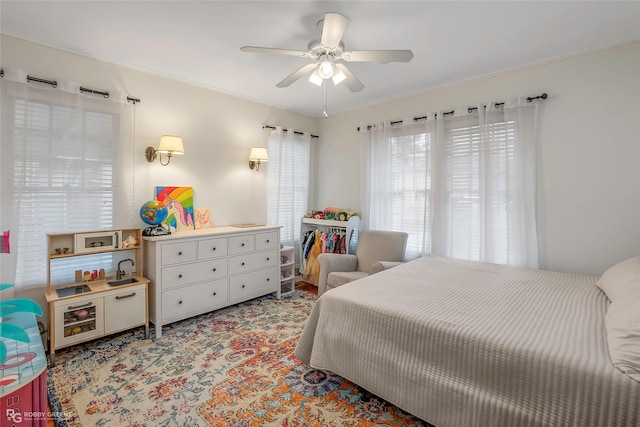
(326, 53)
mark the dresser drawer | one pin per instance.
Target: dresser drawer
(208, 295)
(254, 261)
(184, 274)
(259, 282)
(242, 244)
(174, 253)
(267, 241)
(212, 248)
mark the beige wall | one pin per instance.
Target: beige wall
(218, 129)
(588, 160)
(588, 185)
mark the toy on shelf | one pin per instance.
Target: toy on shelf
(332, 213)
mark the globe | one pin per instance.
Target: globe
(153, 213)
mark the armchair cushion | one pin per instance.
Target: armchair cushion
(338, 278)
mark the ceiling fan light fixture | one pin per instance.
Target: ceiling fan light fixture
(338, 76)
(315, 77)
(325, 69)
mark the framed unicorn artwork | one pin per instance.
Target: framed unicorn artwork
(179, 204)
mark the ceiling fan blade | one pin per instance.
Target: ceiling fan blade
(382, 56)
(333, 29)
(297, 74)
(351, 81)
(274, 51)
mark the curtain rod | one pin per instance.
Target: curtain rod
(470, 109)
(83, 89)
(295, 131)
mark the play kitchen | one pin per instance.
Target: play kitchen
(88, 300)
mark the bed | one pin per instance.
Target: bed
(460, 343)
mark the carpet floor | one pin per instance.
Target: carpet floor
(230, 367)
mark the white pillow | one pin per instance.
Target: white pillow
(623, 336)
(622, 280)
(621, 284)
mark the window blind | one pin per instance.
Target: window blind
(410, 187)
(478, 212)
(288, 183)
(63, 180)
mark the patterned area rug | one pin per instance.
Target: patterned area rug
(231, 367)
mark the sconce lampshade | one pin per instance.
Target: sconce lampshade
(257, 155)
(170, 144)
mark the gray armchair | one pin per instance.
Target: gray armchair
(377, 250)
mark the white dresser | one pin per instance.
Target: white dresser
(193, 272)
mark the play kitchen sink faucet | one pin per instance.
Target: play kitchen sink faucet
(120, 273)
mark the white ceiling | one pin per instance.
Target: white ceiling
(199, 42)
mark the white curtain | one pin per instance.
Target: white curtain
(484, 176)
(479, 198)
(67, 164)
(396, 172)
(288, 182)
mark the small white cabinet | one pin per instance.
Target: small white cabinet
(194, 272)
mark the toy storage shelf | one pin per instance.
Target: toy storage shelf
(350, 228)
(287, 271)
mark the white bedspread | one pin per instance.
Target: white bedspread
(460, 343)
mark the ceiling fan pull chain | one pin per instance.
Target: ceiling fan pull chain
(324, 88)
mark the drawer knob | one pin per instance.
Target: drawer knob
(268, 240)
(242, 264)
(268, 279)
(214, 269)
(215, 293)
(180, 253)
(214, 248)
(180, 302)
(180, 276)
(242, 286)
(268, 258)
(242, 244)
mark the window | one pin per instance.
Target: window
(476, 190)
(288, 182)
(410, 187)
(462, 185)
(64, 170)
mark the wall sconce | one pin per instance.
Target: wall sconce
(257, 155)
(169, 145)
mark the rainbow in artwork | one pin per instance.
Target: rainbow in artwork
(179, 204)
